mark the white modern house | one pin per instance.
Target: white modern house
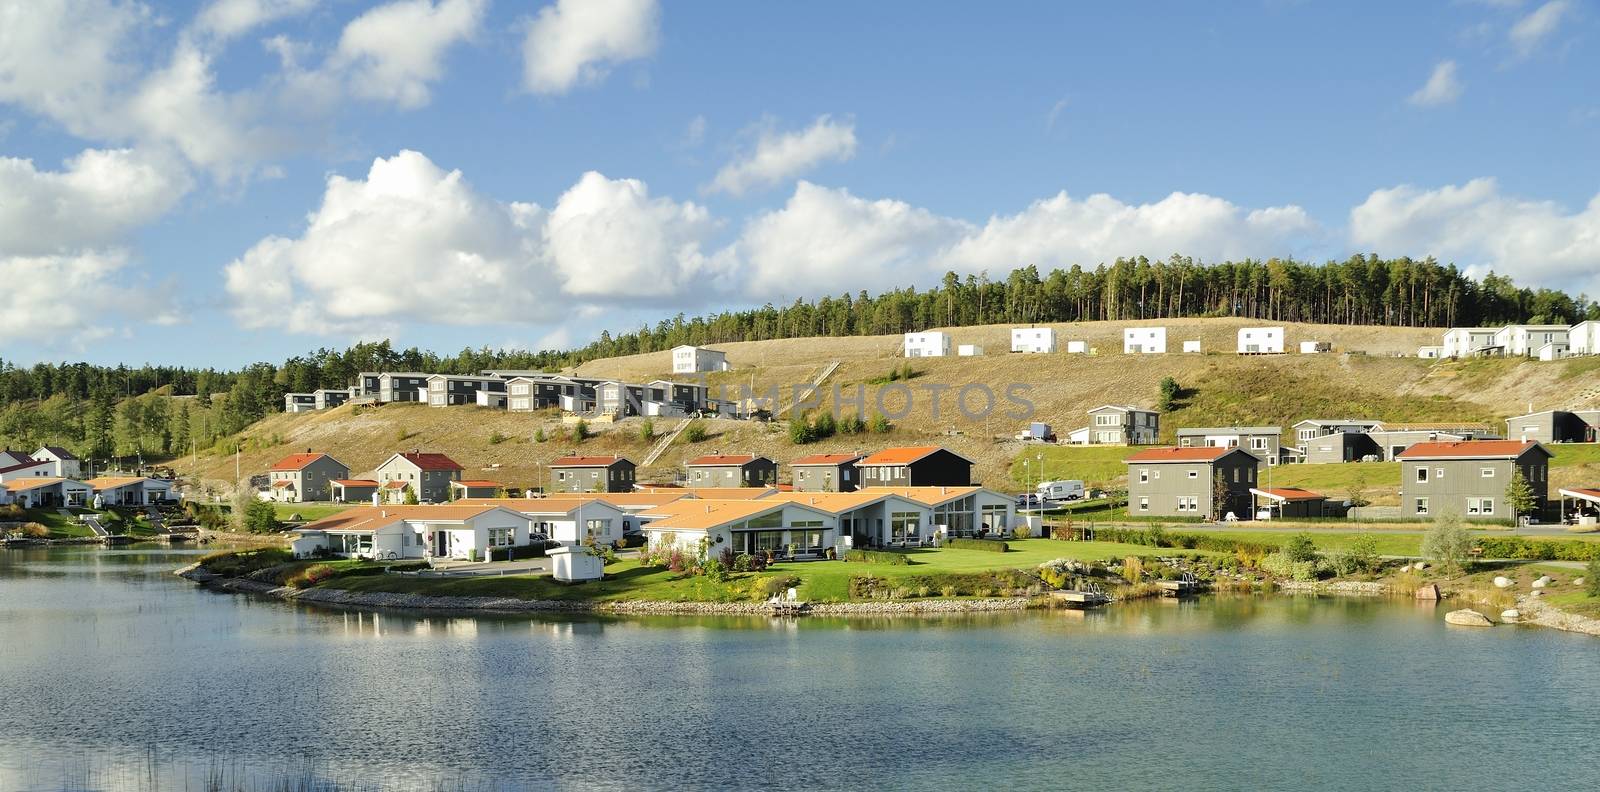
(1191, 346)
(1077, 347)
(1532, 340)
(1034, 340)
(1583, 338)
(1315, 347)
(929, 344)
(782, 528)
(569, 520)
(1461, 342)
(63, 462)
(688, 359)
(1144, 341)
(447, 531)
(969, 350)
(1260, 341)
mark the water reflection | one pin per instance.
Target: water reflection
(120, 676)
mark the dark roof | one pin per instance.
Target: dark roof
(588, 461)
(60, 453)
(825, 459)
(710, 460)
(430, 461)
(906, 455)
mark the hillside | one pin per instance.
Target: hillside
(1363, 377)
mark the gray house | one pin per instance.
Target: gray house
(825, 473)
(401, 386)
(299, 402)
(1469, 478)
(329, 398)
(1322, 441)
(1120, 424)
(446, 390)
(732, 470)
(537, 391)
(1184, 482)
(428, 475)
(1264, 442)
(1392, 438)
(915, 466)
(592, 474)
(1556, 426)
(299, 478)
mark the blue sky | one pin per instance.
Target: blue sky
(218, 182)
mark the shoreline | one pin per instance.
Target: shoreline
(1535, 611)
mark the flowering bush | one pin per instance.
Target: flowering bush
(1059, 572)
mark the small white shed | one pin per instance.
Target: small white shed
(969, 350)
(1192, 345)
(1314, 347)
(1077, 347)
(574, 564)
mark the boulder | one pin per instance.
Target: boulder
(1421, 565)
(1466, 617)
(1501, 581)
(1510, 615)
(1577, 581)
(1429, 591)
(1536, 593)
(1542, 582)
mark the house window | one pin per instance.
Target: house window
(1487, 473)
(1422, 475)
(1194, 474)
(1144, 504)
(1422, 505)
(501, 537)
(1144, 476)
(1258, 443)
(1438, 473)
(1483, 506)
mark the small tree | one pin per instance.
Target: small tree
(824, 426)
(1300, 548)
(1219, 496)
(1591, 578)
(647, 430)
(852, 424)
(1448, 542)
(1358, 491)
(800, 432)
(580, 431)
(1519, 496)
(1167, 394)
(538, 435)
(260, 517)
(880, 424)
(411, 496)
(695, 432)
(239, 505)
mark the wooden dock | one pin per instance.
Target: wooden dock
(1186, 586)
(1082, 598)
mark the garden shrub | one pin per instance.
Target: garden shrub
(1300, 548)
(1280, 565)
(949, 584)
(34, 530)
(311, 576)
(1591, 577)
(777, 585)
(989, 545)
(877, 557)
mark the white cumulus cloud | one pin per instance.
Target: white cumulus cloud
(1531, 31)
(94, 200)
(225, 19)
(609, 238)
(393, 52)
(780, 156)
(104, 301)
(576, 41)
(1442, 87)
(1478, 227)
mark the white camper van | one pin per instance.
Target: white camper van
(1061, 490)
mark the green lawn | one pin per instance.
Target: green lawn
(309, 511)
(1094, 465)
(61, 526)
(820, 581)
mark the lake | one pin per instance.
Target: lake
(116, 675)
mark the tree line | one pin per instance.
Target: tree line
(101, 411)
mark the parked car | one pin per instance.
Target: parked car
(1029, 500)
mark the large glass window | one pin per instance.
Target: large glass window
(903, 526)
(770, 520)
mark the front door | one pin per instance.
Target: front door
(441, 544)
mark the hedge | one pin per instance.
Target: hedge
(877, 557)
(1156, 536)
(977, 544)
(1000, 582)
(1538, 549)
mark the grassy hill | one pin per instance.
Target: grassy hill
(1363, 377)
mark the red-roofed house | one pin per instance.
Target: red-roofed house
(732, 470)
(915, 466)
(1469, 478)
(1276, 502)
(1186, 482)
(428, 475)
(298, 478)
(592, 474)
(826, 473)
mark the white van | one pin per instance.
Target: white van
(1070, 490)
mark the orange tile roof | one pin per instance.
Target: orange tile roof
(1291, 493)
(113, 482)
(740, 493)
(1587, 492)
(296, 461)
(31, 482)
(704, 514)
(825, 459)
(1183, 454)
(927, 496)
(430, 461)
(371, 518)
(723, 459)
(904, 455)
(1469, 449)
(587, 461)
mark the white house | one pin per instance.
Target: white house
(45, 491)
(1260, 340)
(1033, 339)
(782, 528)
(688, 359)
(1460, 342)
(969, 350)
(1528, 340)
(1077, 347)
(1144, 341)
(960, 511)
(930, 344)
(871, 519)
(1583, 338)
(1430, 352)
(447, 531)
(569, 520)
(1555, 350)
(1315, 347)
(130, 490)
(1192, 345)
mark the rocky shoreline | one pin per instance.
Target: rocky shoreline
(425, 602)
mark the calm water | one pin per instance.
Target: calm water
(116, 675)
